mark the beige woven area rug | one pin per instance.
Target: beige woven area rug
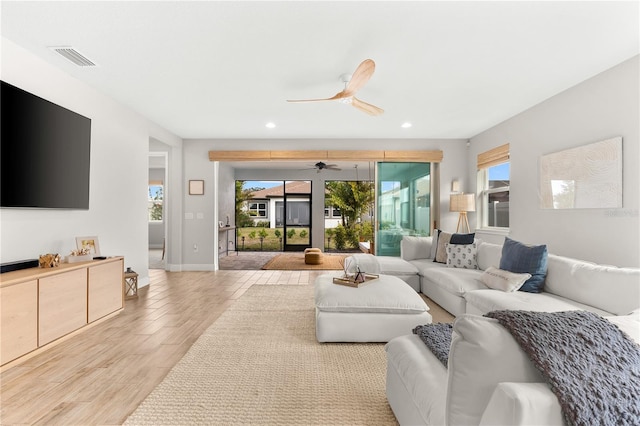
(259, 363)
(295, 262)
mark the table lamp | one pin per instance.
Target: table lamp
(462, 203)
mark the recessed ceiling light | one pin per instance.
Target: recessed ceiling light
(270, 125)
(406, 125)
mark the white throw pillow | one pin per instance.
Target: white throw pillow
(462, 256)
(499, 279)
(412, 248)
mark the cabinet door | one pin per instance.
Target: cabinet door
(18, 320)
(105, 289)
(63, 304)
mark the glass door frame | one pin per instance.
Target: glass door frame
(286, 246)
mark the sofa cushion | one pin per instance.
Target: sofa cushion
(416, 248)
(612, 289)
(454, 281)
(522, 404)
(482, 301)
(387, 294)
(395, 266)
(462, 256)
(363, 262)
(630, 324)
(502, 280)
(423, 381)
(521, 258)
(482, 354)
(489, 255)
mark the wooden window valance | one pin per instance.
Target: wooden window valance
(400, 156)
(493, 157)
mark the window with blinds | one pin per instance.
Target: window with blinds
(494, 187)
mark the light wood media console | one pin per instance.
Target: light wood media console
(41, 307)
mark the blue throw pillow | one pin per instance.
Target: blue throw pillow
(521, 258)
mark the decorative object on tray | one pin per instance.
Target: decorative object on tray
(80, 255)
(49, 260)
(350, 281)
(90, 244)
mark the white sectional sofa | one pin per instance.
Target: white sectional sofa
(489, 379)
(570, 284)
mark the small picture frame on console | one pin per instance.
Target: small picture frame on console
(90, 243)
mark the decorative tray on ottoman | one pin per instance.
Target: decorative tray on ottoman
(351, 281)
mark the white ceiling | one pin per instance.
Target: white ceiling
(223, 69)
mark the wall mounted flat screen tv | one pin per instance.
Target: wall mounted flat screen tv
(44, 153)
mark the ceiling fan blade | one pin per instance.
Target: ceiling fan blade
(360, 76)
(365, 107)
(338, 95)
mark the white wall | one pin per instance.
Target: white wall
(602, 107)
(119, 161)
(197, 165)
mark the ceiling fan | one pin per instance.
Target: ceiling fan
(352, 83)
(320, 166)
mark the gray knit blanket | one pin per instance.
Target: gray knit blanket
(592, 367)
(437, 337)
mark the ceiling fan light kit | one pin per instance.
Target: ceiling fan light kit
(352, 83)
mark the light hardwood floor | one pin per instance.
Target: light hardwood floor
(101, 375)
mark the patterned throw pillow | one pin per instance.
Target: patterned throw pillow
(462, 256)
(445, 238)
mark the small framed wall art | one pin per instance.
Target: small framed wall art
(196, 187)
(89, 243)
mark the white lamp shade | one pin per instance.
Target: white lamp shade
(462, 203)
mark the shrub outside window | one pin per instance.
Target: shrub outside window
(155, 203)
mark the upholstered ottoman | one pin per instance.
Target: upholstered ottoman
(375, 312)
(313, 256)
(386, 265)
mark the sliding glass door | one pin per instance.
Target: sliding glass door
(295, 215)
(403, 199)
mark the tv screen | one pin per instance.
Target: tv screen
(44, 153)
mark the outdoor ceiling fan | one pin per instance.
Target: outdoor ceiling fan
(352, 83)
(320, 166)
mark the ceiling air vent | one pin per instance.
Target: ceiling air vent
(74, 56)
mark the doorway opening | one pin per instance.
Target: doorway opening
(273, 216)
(348, 214)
